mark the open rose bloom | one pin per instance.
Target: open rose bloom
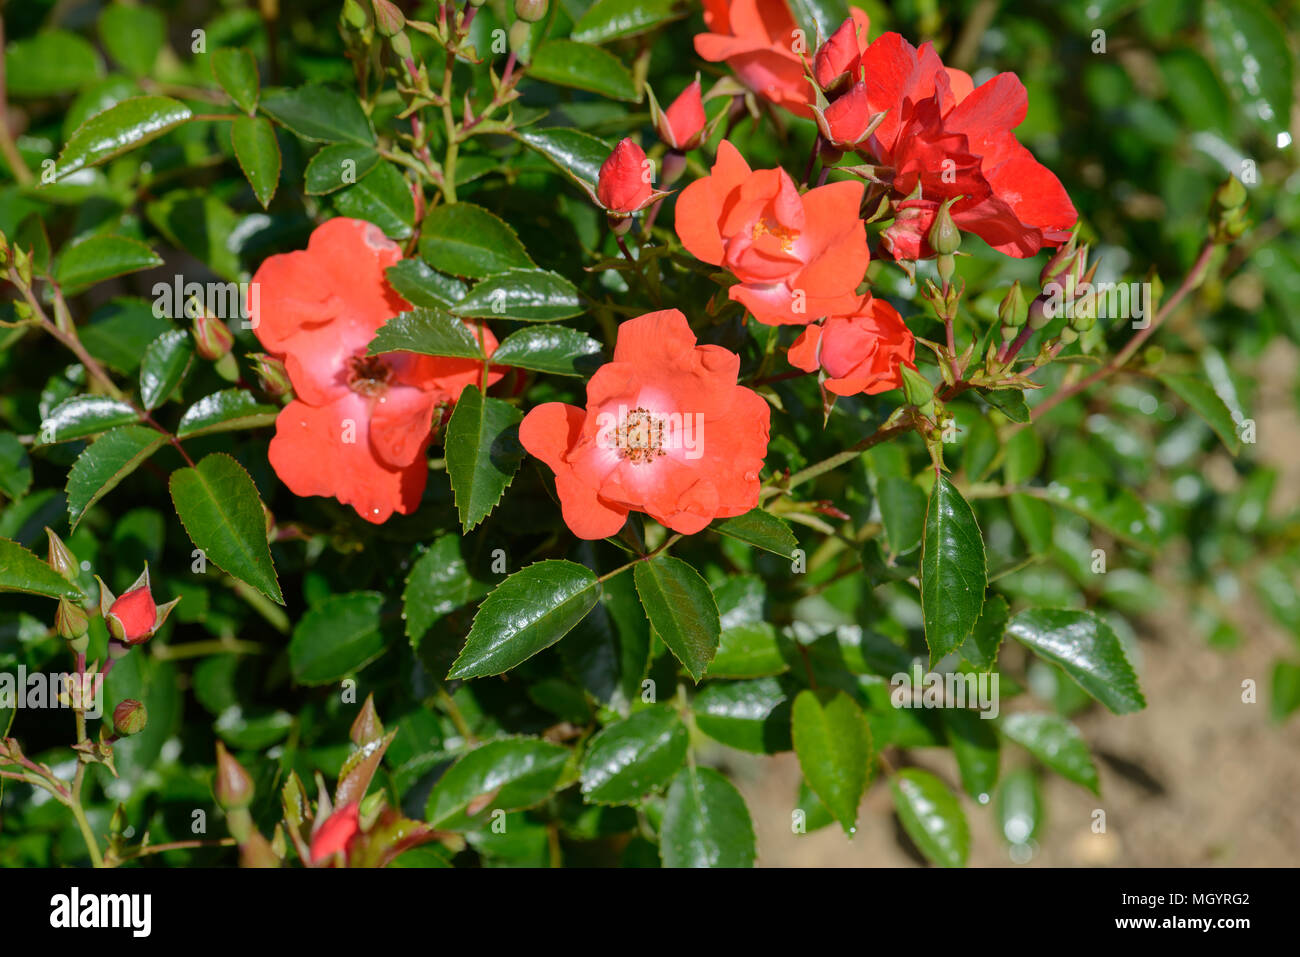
(666, 431)
(359, 426)
(756, 39)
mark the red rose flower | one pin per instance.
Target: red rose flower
(336, 833)
(360, 425)
(847, 121)
(666, 431)
(907, 237)
(756, 38)
(861, 352)
(681, 125)
(623, 186)
(956, 140)
(798, 257)
(842, 53)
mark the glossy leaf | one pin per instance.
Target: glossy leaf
(218, 504)
(120, 128)
(558, 350)
(105, 463)
(705, 822)
(681, 609)
(235, 70)
(225, 411)
(164, 366)
(952, 570)
(749, 715)
(1251, 51)
(533, 295)
(507, 775)
(253, 139)
(382, 197)
(577, 154)
(49, 63)
(630, 758)
(1055, 742)
(466, 240)
(981, 648)
(583, 67)
(1086, 648)
(931, 816)
(1203, 400)
(974, 744)
(761, 529)
(430, 332)
(421, 285)
(607, 20)
(85, 415)
(325, 114)
(528, 612)
(97, 258)
(22, 571)
(483, 453)
(440, 582)
(339, 165)
(336, 638)
(833, 744)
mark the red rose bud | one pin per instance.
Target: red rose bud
(530, 11)
(133, 618)
(905, 239)
(233, 786)
(212, 337)
(389, 20)
(61, 558)
(623, 186)
(681, 126)
(271, 374)
(336, 833)
(130, 717)
(848, 121)
(837, 56)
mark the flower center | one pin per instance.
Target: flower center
(784, 235)
(640, 437)
(368, 375)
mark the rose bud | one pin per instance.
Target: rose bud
(681, 126)
(623, 186)
(839, 55)
(271, 374)
(130, 717)
(389, 20)
(133, 618)
(906, 238)
(233, 786)
(70, 621)
(849, 120)
(530, 11)
(212, 337)
(337, 831)
(61, 558)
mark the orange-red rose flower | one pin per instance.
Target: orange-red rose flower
(861, 352)
(360, 425)
(846, 122)
(756, 38)
(681, 126)
(622, 185)
(953, 139)
(798, 257)
(666, 431)
(842, 53)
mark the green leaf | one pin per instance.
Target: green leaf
(421, 285)
(1119, 513)
(133, 36)
(833, 742)
(532, 295)
(1254, 58)
(118, 129)
(49, 63)
(219, 506)
(97, 258)
(253, 139)
(1055, 742)
(15, 467)
(440, 582)
(1019, 807)
(339, 165)
(483, 453)
(902, 510)
(558, 350)
(225, 411)
(583, 67)
(751, 716)
(84, 415)
(607, 20)
(577, 154)
(528, 612)
(1205, 402)
(1033, 520)
(336, 638)
(201, 224)
(630, 758)
(466, 240)
(1086, 648)
(680, 606)
(981, 648)
(705, 822)
(1010, 402)
(235, 69)
(20, 570)
(164, 366)
(761, 529)
(952, 570)
(748, 646)
(1285, 697)
(324, 114)
(974, 744)
(609, 650)
(819, 18)
(504, 775)
(931, 816)
(430, 332)
(382, 197)
(106, 462)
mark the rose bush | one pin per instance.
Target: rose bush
(440, 381)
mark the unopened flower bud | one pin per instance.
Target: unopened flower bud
(944, 237)
(520, 32)
(1014, 310)
(1069, 336)
(1058, 264)
(271, 373)
(1038, 316)
(916, 388)
(1231, 194)
(130, 717)
(354, 15)
(389, 20)
(133, 618)
(61, 558)
(401, 45)
(23, 265)
(681, 125)
(336, 833)
(233, 786)
(70, 620)
(622, 185)
(530, 11)
(212, 337)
